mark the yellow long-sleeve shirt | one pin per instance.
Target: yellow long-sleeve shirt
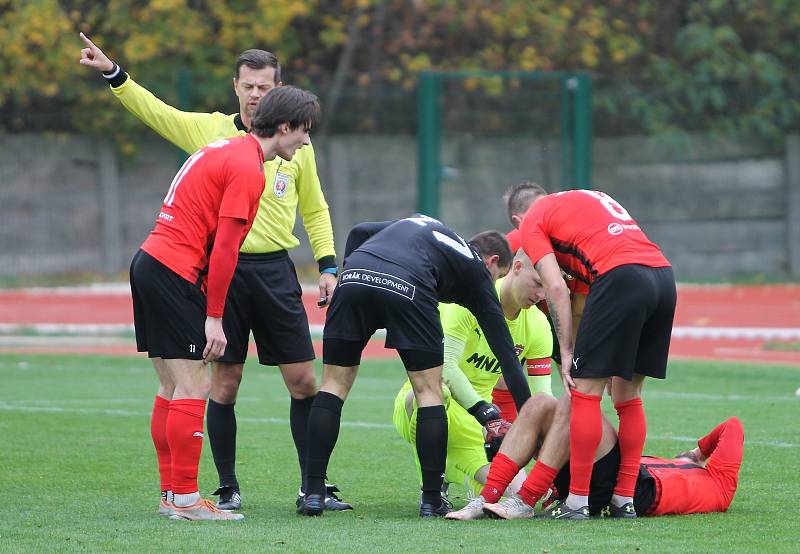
(288, 184)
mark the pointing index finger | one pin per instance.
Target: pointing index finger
(86, 40)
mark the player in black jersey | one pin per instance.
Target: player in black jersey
(395, 274)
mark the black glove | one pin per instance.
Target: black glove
(488, 415)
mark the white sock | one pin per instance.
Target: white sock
(516, 483)
(184, 500)
(620, 501)
(575, 501)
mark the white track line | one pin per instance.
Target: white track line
(4, 406)
(685, 332)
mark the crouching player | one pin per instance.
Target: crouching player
(396, 273)
(471, 370)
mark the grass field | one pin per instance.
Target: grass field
(79, 472)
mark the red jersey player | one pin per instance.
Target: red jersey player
(701, 480)
(206, 214)
(624, 332)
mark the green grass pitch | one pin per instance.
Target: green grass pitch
(79, 472)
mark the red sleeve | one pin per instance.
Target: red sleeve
(505, 402)
(514, 240)
(222, 263)
(533, 236)
(725, 443)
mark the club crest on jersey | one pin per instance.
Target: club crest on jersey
(281, 184)
(518, 348)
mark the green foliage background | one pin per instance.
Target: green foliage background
(659, 67)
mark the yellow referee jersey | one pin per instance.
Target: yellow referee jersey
(288, 184)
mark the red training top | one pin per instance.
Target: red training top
(687, 488)
(589, 233)
(223, 179)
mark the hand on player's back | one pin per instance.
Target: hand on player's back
(93, 57)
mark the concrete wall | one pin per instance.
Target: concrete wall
(719, 209)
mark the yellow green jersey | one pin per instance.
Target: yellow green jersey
(532, 338)
(289, 184)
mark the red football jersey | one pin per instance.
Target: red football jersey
(589, 233)
(225, 178)
(687, 488)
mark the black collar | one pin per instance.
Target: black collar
(237, 120)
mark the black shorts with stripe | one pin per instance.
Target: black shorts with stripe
(266, 298)
(375, 294)
(601, 487)
(169, 312)
(626, 324)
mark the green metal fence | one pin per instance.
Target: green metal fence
(574, 128)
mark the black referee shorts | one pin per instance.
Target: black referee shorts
(601, 487)
(169, 312)
(374, 294)
(266, 297)
(626, 324)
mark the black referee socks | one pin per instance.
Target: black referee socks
(299, 411)
(323, 432)
(221, 424)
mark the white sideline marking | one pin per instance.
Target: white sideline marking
(5, 406)
(721, 397)
(685, 332)
(750, 333)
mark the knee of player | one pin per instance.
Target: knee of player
(303, 385)
(536, 405)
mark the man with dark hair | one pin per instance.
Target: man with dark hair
(475, 427)
(213, 199)
(624, 333)
(265, 295)
(395, 274)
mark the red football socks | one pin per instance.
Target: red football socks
(536, 484)
(585, 432)
(158, 432)
(501, 473)
(505, 402)
(185, 436)
(632, 434)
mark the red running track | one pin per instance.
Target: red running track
(706, 319)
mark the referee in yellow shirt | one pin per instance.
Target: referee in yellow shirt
(265, 296)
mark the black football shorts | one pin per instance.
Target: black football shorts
(375, 294)
(601, 487)
(169, 312)
(266, 297)
(627, 324)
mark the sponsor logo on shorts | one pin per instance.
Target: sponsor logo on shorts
(165, 216)
(617, 228)
(197, 434)
(378, 280)
(281, 184)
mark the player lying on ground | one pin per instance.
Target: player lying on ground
(394, 277)
(265, 296)
(701, 480)
(212, 201)
(471, 370)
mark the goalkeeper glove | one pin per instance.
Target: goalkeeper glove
(488, 415)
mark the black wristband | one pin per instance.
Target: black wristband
(116, 76)
(326, 262)
(484, 412)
